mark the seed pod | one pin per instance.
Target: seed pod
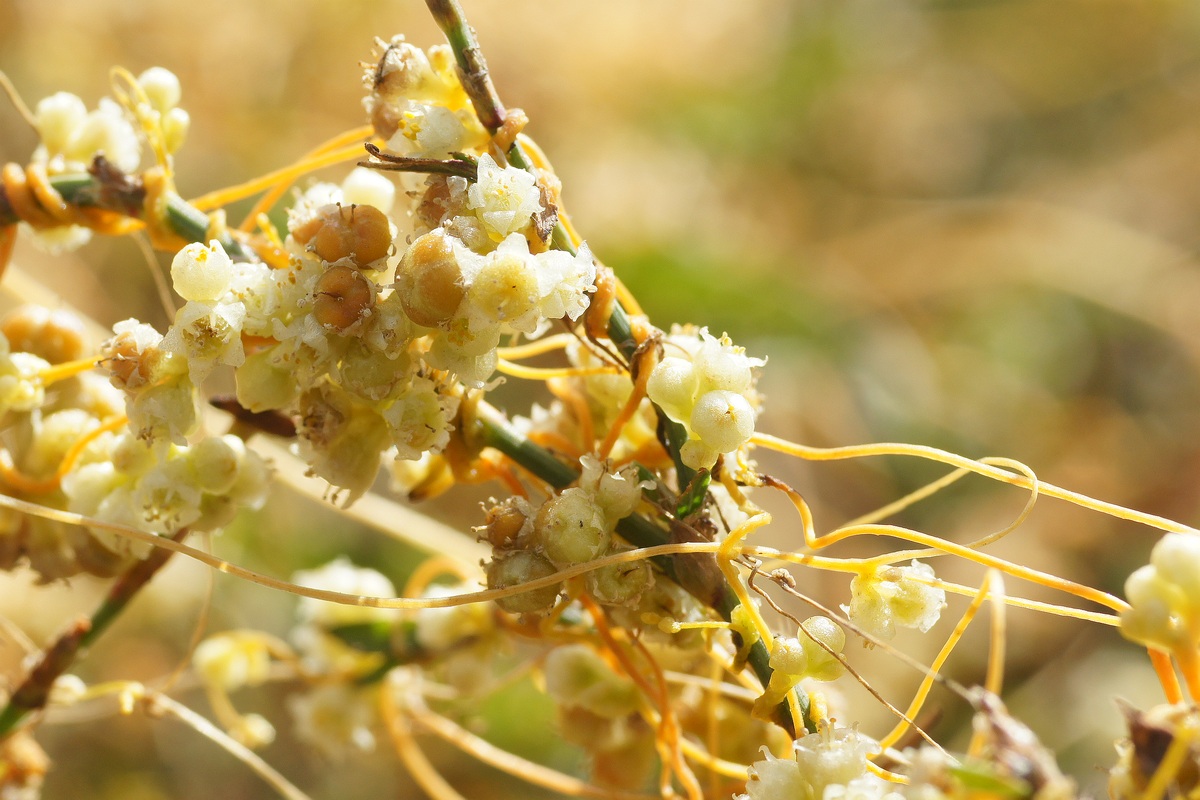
(429, 281)
(358, 232)
(514, 569)
(507, 522)
(342, 298)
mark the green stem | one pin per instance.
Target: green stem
(34, 691)
(696, 572)
(472, 68)
(108, 189)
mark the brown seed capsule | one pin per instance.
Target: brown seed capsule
(505, 522)
(435, 203)
(358, 232)
(342, 298)
(429, 281)
(55, 335)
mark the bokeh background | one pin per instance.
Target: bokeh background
(965, 224)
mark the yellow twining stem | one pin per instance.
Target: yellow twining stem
(131, 694)
(514, 765)
(268, 200)
(285, 175)
(939, 546)
(414, 758)
(667, 733)
(132, 97)
(914, 707)
(67, 369)
(26, 485)
(1161, 661)
(977, 466)
(546, 373)
(547, 344)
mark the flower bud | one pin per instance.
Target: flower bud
(620, 584)
(508, 522)
(823, 665)
(359, 232)
(429, 281)
(724, 420)
(342, 299)
(571, 529)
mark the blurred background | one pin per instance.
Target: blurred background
(965, 224)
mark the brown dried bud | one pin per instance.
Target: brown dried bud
(358, 232)
(343, 298)
(506, 522)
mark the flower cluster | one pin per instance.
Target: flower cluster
(121, 479)
(473, 277)
(885, 598)
(72, 137)
(813, 653)
(831, 763)
(67, 449)
(416, 102)
(573, 527)
(1164, 595)
(366, 340)
(370, 327)
(706, 384)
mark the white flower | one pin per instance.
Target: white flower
(432, 131)
(504, 198)
(369, 187)
(564, 281)
(202, 273)
(707, 384)
(21, 386)
(888, 597)
(420, 420)
(72, 136)
(161, 87)
(577, 677)
(503, 286)
(616, 493)
(207, 335)
(438, 629)
(1163, 595)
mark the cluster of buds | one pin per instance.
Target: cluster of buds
(72, 137)
(707, 385)
(885, 598)
(67, 448)
(1164, 596)
(598, 710)
(367, 337)
(573, 527)
(831, 763)
(813, 653)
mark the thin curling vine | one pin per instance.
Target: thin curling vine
(617, 565)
